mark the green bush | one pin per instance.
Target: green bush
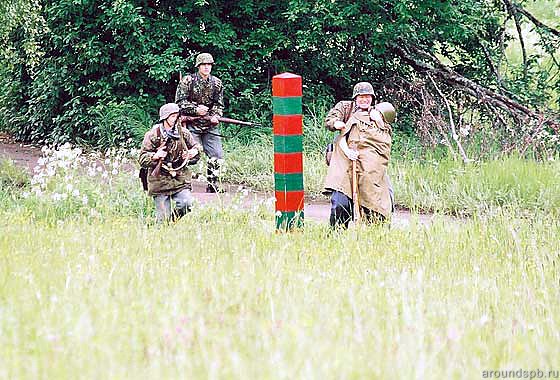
(12, 177)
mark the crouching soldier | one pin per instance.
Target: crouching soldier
(166, 151)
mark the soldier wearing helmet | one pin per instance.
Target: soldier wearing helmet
(167, 141)
(365, 137)
(201, 94)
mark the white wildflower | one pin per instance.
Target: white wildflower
(453, 334)
(76, 193)
(114, 172)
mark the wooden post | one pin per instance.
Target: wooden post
(288, 146)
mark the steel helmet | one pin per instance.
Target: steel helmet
(203, 58)
(167, 109)
(387, 110)
(363, 88)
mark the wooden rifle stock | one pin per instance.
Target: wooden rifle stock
(157, 170)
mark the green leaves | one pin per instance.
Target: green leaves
(69, 56)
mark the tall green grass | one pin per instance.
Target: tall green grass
(478, 188)
(425, 184)
(220, 295)
(91, 288)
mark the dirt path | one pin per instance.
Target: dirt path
(315, 210)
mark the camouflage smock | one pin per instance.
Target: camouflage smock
(374, 146)
(194, 90)
(166, 184)
(340, 112)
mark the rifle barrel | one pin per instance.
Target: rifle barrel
(235, 121)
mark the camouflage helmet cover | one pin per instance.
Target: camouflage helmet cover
(167, 109)
(363, 88)
(203, 58)
(387, 110)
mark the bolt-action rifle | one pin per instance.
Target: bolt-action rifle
(157, 170)
(227, 120)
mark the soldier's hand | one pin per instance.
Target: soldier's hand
(351, 154)
(214, 119)
(187, 155)
(201, 110)
(161, 153)
(375, 115)
(339, 124)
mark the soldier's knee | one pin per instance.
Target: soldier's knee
(184, 202)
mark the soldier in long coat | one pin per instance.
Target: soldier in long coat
(367, 132)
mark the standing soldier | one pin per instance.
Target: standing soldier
(166, 150)
(202, 95)
(368, 134)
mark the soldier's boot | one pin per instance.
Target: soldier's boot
(340, 217)
(212, 177)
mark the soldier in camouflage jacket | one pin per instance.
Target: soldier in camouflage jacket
(173, 145)
(201, 94)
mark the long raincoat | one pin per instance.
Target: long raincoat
(373, 142)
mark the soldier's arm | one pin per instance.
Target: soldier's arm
(335, 114)
(147, 152)
(218, 101)
(182, 95)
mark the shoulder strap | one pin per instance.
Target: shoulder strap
(194, 78)
(349, 112)
(214, 87)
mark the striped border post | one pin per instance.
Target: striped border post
(288, 147)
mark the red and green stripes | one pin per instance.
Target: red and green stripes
(288, 146)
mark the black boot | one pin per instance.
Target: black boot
(214, 188)
(212, 171)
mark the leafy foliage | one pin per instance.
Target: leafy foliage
(96, 56)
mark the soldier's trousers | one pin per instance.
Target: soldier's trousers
(342, 208)
(212, 144)
(166, 211)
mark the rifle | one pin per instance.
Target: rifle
(157, 169)
(227, 120)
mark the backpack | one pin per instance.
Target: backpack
(143, 173)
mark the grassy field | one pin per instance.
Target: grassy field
(430, 185)
(91, 288)
(220, 295)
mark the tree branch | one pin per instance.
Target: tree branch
(534, 20)
(514, 13)
(451, 123)
(447, 75)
